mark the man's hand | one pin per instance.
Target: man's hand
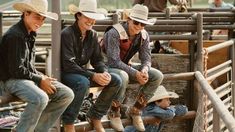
(142, 78)
(46, 85)
(102, 79)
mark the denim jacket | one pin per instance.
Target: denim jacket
(164, 114)
(17, 54)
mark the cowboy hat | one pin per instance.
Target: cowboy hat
(162, 93)
(37, 6)
(139, 13)
(88, 8)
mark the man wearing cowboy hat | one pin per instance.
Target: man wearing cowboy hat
(121, 43)
(79, 45)
(159, 106)
(46, 97)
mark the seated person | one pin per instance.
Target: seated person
(159, 5)
(159, 106)
(219, 4)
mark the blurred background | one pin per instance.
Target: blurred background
(107, 4)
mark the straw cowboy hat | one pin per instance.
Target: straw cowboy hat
(162, 93)
(140, 13)
(88, 8)
(37, 6)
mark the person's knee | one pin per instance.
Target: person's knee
(156, 75)
(40, 101)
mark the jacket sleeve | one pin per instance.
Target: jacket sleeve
(68, 56)
(16, 59)
(164, 114)
(145, 53)
(111, 42)
(97, 60)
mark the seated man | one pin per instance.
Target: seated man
(46, 97)
(121, 42)
(159, 106)
(79, 46)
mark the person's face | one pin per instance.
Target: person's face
(135, 27)
(33, 21)
(164, 103)
(85, 23)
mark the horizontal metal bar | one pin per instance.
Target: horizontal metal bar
(218, 67)
(220, 46)
(209, 27)
(213, 76)
(172, 28)
(175, 22)
(179, 76)
(173, 37)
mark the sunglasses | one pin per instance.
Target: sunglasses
(137, 23)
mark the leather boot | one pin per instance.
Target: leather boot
(135, 112)
(114, 116)
(97, 125)
(69, 128)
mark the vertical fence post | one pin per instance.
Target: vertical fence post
(55, 45)
(115, 18)
(1, 26)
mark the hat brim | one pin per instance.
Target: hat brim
(142, 21)
(22, 7)
(73, 9)
(96, 16)
(170, 95)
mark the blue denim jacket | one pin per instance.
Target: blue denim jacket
(164, 114)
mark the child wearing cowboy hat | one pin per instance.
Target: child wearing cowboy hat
(46, 98)
(159, 106)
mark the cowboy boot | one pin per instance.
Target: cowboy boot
(135, 112)
(96, 124)
(114, 116)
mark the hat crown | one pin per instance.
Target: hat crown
(88, 6)
(39, 5)
(161, 93)
(139, 12)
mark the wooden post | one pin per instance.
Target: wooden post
(55, 66)
(1, 26)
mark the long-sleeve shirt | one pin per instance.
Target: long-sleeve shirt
(112, 46)
(164, 114)
(76, 53)
(222, 6)
(17, 54)
(156, 5)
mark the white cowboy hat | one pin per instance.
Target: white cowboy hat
(37, 6)
(162, 93)
(88, 8)
(140, 13)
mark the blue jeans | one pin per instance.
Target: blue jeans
(42, 110)
(80, 85)
(155, 79)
